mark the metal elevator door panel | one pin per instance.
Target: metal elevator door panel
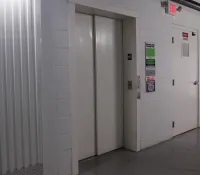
(109, 84)
(185, 49)
(85, 85)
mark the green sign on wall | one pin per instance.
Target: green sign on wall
(150, 51)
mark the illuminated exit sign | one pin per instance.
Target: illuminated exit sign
(172, 8)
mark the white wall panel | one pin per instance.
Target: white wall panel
(20, 118)
(55, 88)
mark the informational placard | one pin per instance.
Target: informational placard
(150, 83)
(150, 66)
(150, 51)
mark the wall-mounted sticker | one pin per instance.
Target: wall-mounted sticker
(150, 66)
(150, 51)
(150, 71)
(130, 56)
(150, 84)
(150, 62)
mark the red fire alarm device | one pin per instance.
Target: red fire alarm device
(172, 8)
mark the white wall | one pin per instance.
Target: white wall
(155, 26)
(55, 88)
(155, 109)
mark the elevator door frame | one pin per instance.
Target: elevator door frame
(109, 12)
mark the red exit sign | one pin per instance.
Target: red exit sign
(185, 34)
(172, 8)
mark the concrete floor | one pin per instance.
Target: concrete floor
(179, 156)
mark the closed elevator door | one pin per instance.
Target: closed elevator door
(85, 86)
(109, 84)
(99, 85)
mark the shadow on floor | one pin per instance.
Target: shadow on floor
(179, 156)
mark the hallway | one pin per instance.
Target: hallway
(179, 156)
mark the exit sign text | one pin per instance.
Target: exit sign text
(172, 8)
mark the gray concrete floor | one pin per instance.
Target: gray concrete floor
(179, 156)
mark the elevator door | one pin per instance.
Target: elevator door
(99, 84)
(109, 84)
(85, 86)
(186, 79)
